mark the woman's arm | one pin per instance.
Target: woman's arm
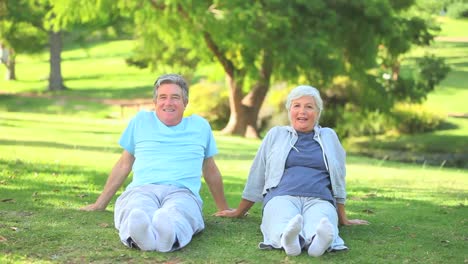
(343, 219)
(240, 211)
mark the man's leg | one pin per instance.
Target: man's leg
(178, 219)
(134, 210)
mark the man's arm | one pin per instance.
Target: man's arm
(119, 173)
(215, 183)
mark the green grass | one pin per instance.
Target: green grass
(51, 165)
(96, 71)
(449, 96)
(453, 27)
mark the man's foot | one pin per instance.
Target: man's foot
(139, 226)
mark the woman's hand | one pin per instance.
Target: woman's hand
(233, 213)
(92, 207)
(354, 222)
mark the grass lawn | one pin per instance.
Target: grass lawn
(449, 96)
(453, 27)
(51, 165)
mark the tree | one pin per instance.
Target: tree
(257, 42)
(26, 28)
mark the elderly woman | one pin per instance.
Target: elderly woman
(299, 175)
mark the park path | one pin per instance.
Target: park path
(451, 39)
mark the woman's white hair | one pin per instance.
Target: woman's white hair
(305, 90)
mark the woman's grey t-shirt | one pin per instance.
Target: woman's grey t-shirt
(305, 172)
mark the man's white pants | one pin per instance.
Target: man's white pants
(158, 217)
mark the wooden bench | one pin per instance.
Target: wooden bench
(136, 106)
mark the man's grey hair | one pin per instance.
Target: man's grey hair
(175, 79)
(305, 90)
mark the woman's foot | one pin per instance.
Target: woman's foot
(323, 238)
(290, 237)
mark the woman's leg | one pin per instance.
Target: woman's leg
(282, 223)
(320, 225)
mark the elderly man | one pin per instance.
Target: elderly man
(161, 208)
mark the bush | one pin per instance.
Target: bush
(458, 10)
(415, 118)
(210, 100)
(350, 122)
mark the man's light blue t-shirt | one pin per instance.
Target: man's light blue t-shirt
(171, 155)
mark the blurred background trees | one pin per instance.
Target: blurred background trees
(246, 51)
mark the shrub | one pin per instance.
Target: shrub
(210, 100)
(351, 122)
(415, 118)
(458, 10)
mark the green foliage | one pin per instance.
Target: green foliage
(22, 26)
(251, 41)
(414, 86)
(352, 123)
(432, 7)
(458, 9)
(430, 72)
(210, 100)
(413, 119)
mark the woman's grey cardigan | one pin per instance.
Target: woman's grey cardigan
(268, 165)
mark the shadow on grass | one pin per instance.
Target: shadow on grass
(448, 44)
(40, 220)
(447, 125)
(425, 148)
(72, 101)
(110, 92)
(25, 123)
(234, 152)
(67, 106)
(455, 80)
(50, 144)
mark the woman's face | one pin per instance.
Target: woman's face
(303, 113)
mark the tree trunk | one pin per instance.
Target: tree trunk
(7, 57)
(243, 120)
(55, 76)
(395, 70)
(254, 100)
(11, 66)
(237, 120)
(244, 111)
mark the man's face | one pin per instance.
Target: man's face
(169, 104)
